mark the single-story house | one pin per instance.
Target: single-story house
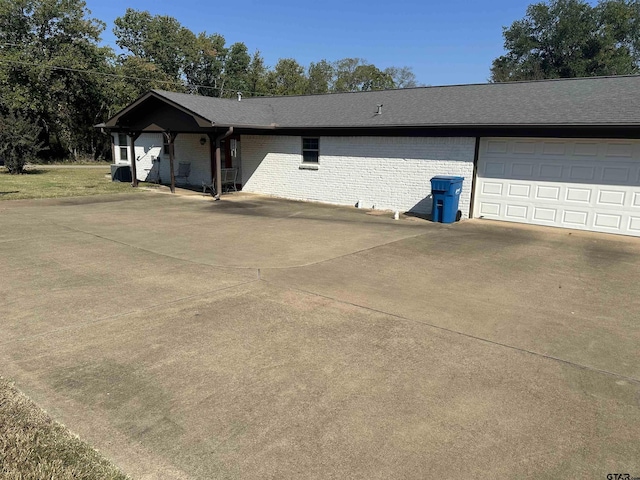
(563, 153)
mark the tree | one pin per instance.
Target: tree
(134, 76)
(403, 77)
(320, 77)
(158, 39)
(287, 78)
(19, 141)
(205, 63)
(257, 75)
(345, 74)
(570, 38)
(356, 75)
(50, 56)
(236, 70)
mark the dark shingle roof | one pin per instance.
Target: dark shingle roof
(222, 111)
(583, 101)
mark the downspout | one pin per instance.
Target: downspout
(474, 177)
(219, 161)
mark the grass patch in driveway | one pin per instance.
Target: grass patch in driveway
(33, 446)
(43, 182)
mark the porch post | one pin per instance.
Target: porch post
(218, 169)
(132, 149)
(113, 147)
(212, 155)
(170, 139)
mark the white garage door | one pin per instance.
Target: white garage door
(579, 183)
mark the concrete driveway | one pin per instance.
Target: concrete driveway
(259, 338)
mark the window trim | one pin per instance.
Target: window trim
(316, 150)
(124, 147)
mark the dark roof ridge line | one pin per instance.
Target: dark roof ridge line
(424, 87)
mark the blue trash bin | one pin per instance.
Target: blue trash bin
(445, 190)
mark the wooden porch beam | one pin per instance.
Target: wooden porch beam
(132, 149)
(113, 148)
(212, 156)
(218, 169)
(170, 137)
(218, 162)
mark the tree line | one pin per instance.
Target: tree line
(571, 38)
(57, 80)
(56, 77)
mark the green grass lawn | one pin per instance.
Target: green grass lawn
(43, 182)
(33, 446)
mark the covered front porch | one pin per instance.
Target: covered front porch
(166, 143)
(194, 159)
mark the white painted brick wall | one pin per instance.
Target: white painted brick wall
(383, 172)
(187, 149)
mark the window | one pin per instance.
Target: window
(122, 141)
(165, 146)
(310, 150)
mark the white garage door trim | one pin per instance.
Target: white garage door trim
(585, 184)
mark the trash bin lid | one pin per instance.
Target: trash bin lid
(449, 178)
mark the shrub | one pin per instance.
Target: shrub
(19, 141)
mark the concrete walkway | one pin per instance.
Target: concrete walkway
(260, 338)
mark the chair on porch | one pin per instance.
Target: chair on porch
(229, 177)
(153, 173)
(184, 170)
(209, 186)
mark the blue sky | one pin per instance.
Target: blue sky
(451, 42)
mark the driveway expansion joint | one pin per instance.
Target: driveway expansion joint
(463, 334)
(111, 318)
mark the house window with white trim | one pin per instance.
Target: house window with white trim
(310, 150)
(122, 141)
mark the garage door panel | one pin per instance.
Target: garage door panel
(611, 197)
(516, 212)
(494, 170)
(497, 146)
(551, 172)
(607, 220)
(519, 190)
(545, 215)
(615, 149)
(522, 170)
(490, 210)
(575, 218)
(547, 192)
(617, 175)
(524, 147)
(584, 184)
(554, 148)
(634, 225)
(579, 173)
(577, 194)
(586, 149)
(492, 188)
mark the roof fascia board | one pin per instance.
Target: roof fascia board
(579, 131)
(113, 120)
(200, 120)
